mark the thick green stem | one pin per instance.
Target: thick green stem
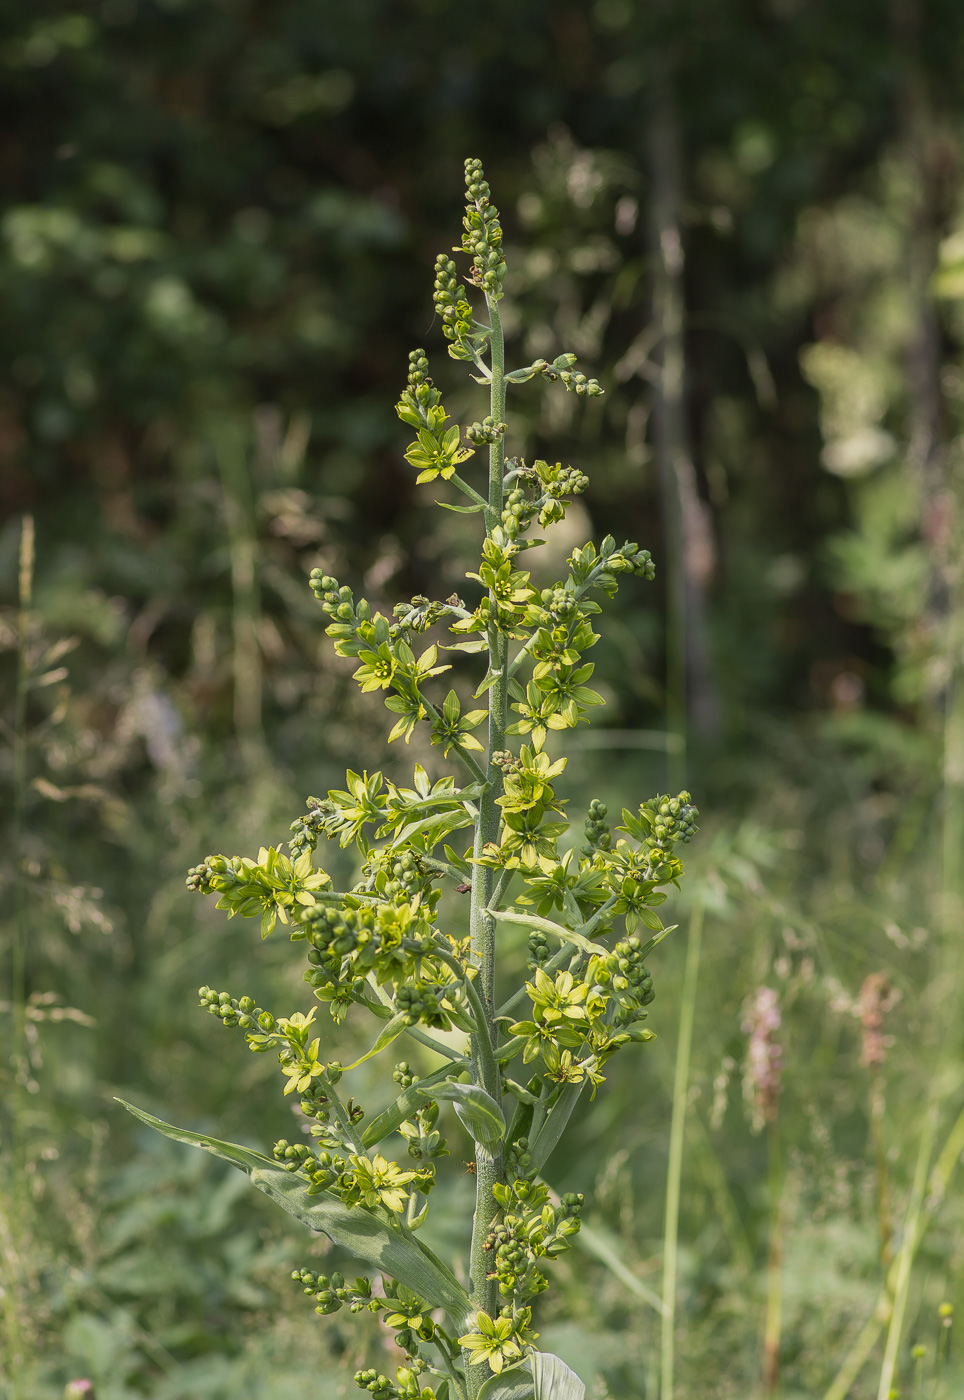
(489, 1166)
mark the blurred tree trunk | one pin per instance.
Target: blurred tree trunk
(690, 554)
(930, 160)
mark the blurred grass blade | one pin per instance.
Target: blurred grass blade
(478, 1111)
(358, 1231)
(859, 1353)
(674, 1166)
(605, 1248)
(553, 1380)
(908, 1249)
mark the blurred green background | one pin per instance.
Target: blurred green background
(218, 227)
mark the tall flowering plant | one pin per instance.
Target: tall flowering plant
(384, 944)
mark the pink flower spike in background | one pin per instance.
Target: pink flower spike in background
(764, 1057)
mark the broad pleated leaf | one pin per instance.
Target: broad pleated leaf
(478, 1111)
(515, 1383)
(357, 1230)
(552, 1379)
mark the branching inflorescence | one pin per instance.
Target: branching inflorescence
(590, 909)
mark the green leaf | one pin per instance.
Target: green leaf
(441, 822)
(554, 1126)
(651, 943)
(357, 1230)
(566, 935)
(460, 863)
(391, 1032)
(489, 680)
(552, 1379)
(460, 510)
(478, 1111)
(514, 1383)
(403, 1107)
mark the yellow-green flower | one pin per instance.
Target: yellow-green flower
(378, 1182)
(499, 1340)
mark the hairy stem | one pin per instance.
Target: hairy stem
(489, 1165)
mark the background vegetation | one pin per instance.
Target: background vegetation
(219, 219)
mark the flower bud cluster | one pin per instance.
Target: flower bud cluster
(601, 570)
(538, 950)
(404, 1387)
(338, 601)
(235, 1012)
(420, 614)
(531, 1229)
(518, 513)
(420, 390)
(331, 1292)
(418, 1003)
(624, 973)
(552, 487)
(598, 837)
(425, 1142)
(378, 1386)
(483, 233)
(455, 312)
(671, 819)
(518, 1159)
(403, 1076)
(394, 941)
(306, 830)
(271, 887)
(489, 430)
(553, 508)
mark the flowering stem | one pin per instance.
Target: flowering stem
(489, 1069)
(564, 953)
(489, 1166)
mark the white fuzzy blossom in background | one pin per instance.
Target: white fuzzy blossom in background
(763, 1065)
